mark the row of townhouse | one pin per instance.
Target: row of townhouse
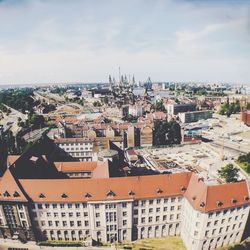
(124, 209)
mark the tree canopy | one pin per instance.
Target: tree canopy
(229, 173)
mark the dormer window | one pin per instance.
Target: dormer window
(6, 194)
(219, 203)
(183, 189)
(64, 196)
(202, 204)
(233, 201)
(87, 195)
(158, 191)
(16, 194)
(246, 198)
(41, 196)
(194, 198)
(131, 193)
(110, 193)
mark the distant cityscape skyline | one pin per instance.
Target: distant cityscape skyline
(85, 41)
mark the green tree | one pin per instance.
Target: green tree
(229, 173)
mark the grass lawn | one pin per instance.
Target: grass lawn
(166, 243)
(243, 166)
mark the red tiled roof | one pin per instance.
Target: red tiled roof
(209, 198)
(12, 158)
(75, 166)
(9, 189)
(143, 187)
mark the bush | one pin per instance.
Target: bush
(60, 243)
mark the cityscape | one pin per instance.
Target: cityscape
(127, 154)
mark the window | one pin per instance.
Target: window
(97, 215)
(78, 214)
(124, 222)
(158, 201)
(234, 225)
(57, 223)
(96, 206)
(55, 214)
(157, 218)
(98, 224)
(143, 211)
(63, 214)
(216, 222)
(164, 217)
(210, 215)
(69, 205)
(213, 232)
(48, 214)
(143, 203)
(165, 200)
(39, 206)
(20, 206)
(124, 214)
(135, 203)
(150, 210)
(240, 224)
(79, 223)
(197, 224)
(124, 204)
(64, 223)
(77, 205)
(165, 209)
(85, 214)
(171, 216)
(22, 215)
(222, 221)
(50, 223)
(71, 223)
(150, 219)
(86, 223)
(143, 220)
(172, 208)
(221, 228)
(229, 219)
(172, 199)
(195, 233)
(206, 233)
(158, 210)
(42, 223)
(151, 202)
(135, 212)
(236, 217)
(179, 207)
(178, 216)
(61, 205)
(54, 205)
(46, 205)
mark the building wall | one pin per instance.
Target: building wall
(214, 229)
(127, 220)
(80, 150)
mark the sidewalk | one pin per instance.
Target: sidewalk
(7, 244)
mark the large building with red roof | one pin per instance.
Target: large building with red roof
(93, 206)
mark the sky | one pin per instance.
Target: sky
(50, 41)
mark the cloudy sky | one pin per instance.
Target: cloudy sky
(86, 40)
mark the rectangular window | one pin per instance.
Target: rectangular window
(98, 224)
(143, 220)
(158, 201)
(124, 222)
(151, 202)
(79, 223)
(71, 223)
(124, 204)
(157, 218)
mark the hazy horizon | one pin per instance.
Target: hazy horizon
(45, 41)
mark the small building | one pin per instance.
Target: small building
(195, 116)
